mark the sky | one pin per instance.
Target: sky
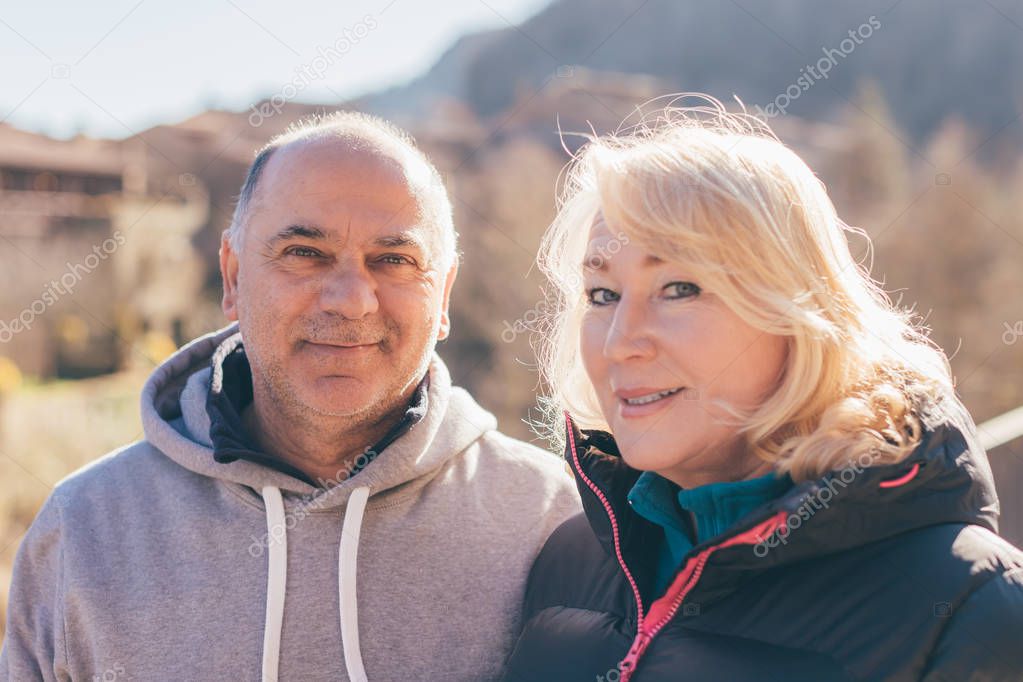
(116, 67)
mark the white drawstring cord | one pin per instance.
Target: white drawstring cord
(347, 564)
(276, 580)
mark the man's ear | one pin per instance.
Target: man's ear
(449, 280)
(229, 275)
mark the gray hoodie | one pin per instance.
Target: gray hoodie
(158, 563)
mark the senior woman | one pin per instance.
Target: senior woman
(779, 481)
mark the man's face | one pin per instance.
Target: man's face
(336, 287)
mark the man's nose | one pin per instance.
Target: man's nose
(349, 291)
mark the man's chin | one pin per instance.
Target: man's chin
(346, 409)
(336, 396)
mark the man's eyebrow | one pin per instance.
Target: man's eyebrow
(400, 239)
(293, 231)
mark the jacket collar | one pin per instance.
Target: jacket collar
(946, 479)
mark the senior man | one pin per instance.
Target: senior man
(313, 499)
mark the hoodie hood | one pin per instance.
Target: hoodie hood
(176, 421)
(945, 480)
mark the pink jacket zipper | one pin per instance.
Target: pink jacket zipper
(614, 522)
(665, 608)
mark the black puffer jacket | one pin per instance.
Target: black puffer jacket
(878, 573)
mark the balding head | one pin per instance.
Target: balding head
(363, 136)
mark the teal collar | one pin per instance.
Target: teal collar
(715, 507)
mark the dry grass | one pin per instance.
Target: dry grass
(46, 432)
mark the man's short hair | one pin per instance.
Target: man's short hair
(434, 203)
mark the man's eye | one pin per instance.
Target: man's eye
(601, 296)
(302, 252)
(395, 259)
(681, 289)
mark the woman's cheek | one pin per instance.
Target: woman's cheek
(591, 346)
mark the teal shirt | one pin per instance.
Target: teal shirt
(715, 508)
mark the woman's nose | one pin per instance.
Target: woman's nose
(628, 332)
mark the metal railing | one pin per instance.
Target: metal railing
(1001, 429)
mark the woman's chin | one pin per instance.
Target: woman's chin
(648, 456)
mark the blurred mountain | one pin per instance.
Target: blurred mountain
(931, 59)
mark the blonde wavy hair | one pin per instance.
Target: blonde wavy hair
(718, 193)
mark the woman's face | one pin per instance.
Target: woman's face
(659, 350)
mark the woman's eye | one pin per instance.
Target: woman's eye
(681, 289)
(601, 296)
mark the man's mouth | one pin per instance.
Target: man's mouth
(340, 350)
(343, 345)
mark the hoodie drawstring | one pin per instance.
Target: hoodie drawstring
(276, 582)
(347, 598)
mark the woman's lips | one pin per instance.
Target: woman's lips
(655, 400)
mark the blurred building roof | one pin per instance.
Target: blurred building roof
(24, 149)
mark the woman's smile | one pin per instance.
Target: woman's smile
(642, 402)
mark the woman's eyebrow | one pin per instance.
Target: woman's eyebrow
(597, 262)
